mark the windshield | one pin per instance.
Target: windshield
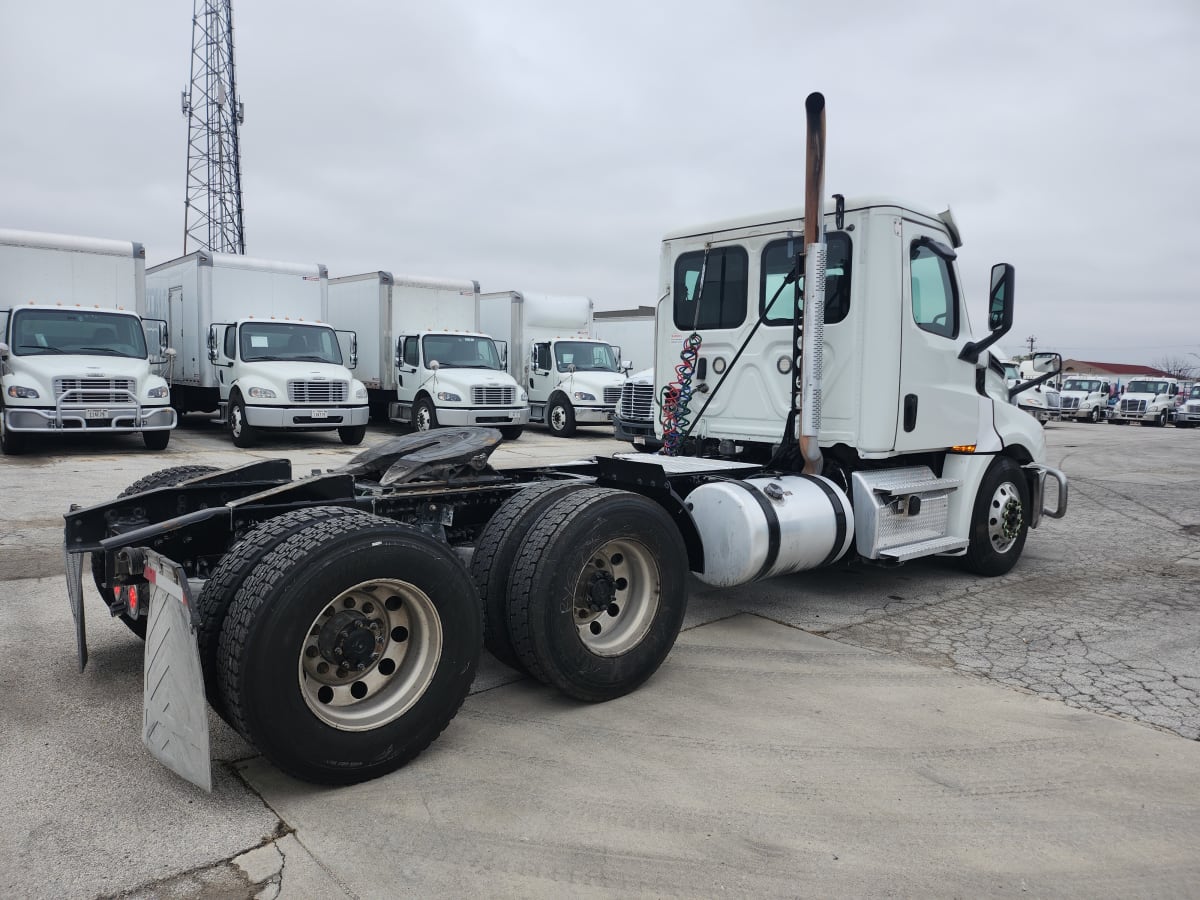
(1146, 387)
(40, 331)
(289, 341)
(1082, 384)
(461, 351)
(585, 356)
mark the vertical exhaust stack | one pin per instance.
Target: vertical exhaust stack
(814, 284)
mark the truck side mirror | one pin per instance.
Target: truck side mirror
(3, 350)
(1047, 362)
(626, 366)
(502, 349)
(212, 343)
(1000, 311)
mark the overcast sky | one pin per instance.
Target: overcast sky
(547, 146)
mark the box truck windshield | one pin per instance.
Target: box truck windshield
(461, 351)
(39, 331)
(585, 356)
(287, 341)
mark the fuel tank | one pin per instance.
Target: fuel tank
(761, 527)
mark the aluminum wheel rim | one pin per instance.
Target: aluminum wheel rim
(558, 418)
(1004, 517)
(423, 419)
(627, 572)
(407, 650)
(235, 421)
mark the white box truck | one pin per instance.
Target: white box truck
(427, 362)
(74, 353)
(631, 333)
(253, 345)
(572, 377)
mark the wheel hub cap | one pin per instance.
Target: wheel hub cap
(351, 640)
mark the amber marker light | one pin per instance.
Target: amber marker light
(963, 448)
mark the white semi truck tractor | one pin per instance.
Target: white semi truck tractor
(331, 620)
(1084, 398)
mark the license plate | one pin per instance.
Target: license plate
(96, 414)
(320, 414)
(639, 440)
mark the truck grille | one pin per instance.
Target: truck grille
(637, 402)
(612, 395)
(1070, 403)
(493, 396)
(95, 390)
(317, 391)
(1133, 406)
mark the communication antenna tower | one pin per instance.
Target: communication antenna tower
(213, 197)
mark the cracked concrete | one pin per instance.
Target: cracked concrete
(1101, 615)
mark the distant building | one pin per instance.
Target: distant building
(1120, 371)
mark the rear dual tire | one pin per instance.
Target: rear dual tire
(349, 647)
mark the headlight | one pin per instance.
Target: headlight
(23, 393)
(584, 395)
(523, 396)
(158, 393)
(360, 394)
(449, 397)
(261, 393)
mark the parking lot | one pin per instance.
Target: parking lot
(854, 731)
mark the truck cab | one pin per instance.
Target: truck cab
(1148, 400)
(1187, 414)
(70, 368)
(573, 381)
(284, 374)
(456, 378)
(1085, 398)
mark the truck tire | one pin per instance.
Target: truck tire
(1094, 415)
(511, 432)
(495, 551)
(222, 586)
(597, 593)
(424, 416)
(352, 435)
(1000, 521)
(394, 604)
(162, 478)
(1161, 421)
(156, 440)
(243, 433)
(11, 442)
(560, 416)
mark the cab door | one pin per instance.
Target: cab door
(938, 405)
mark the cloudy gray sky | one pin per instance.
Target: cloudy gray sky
(547, 146)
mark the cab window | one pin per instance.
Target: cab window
(231, 342)
(411, 357)
(934, 293)
(721, 301)
(779, 257)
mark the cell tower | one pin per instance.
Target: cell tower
(213, 198)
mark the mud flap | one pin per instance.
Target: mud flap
(74, 565)
(174, 709)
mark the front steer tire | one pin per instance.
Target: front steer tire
(999, 520)
(168, 477)
(241, 432)
(597, 593)
(352, 435)
(311, 600)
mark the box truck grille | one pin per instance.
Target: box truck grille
(1133, 406)
(1070, 403)
(317, 391)
(95, 390)
(637, 402)
(612, 395)
(494, 396)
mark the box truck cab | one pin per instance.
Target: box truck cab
(1085, 398)
(1148, 400)
(430, 364)
(572, 378)
(74, 353)
(254, 346)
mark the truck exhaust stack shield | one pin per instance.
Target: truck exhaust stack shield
(814, 284)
